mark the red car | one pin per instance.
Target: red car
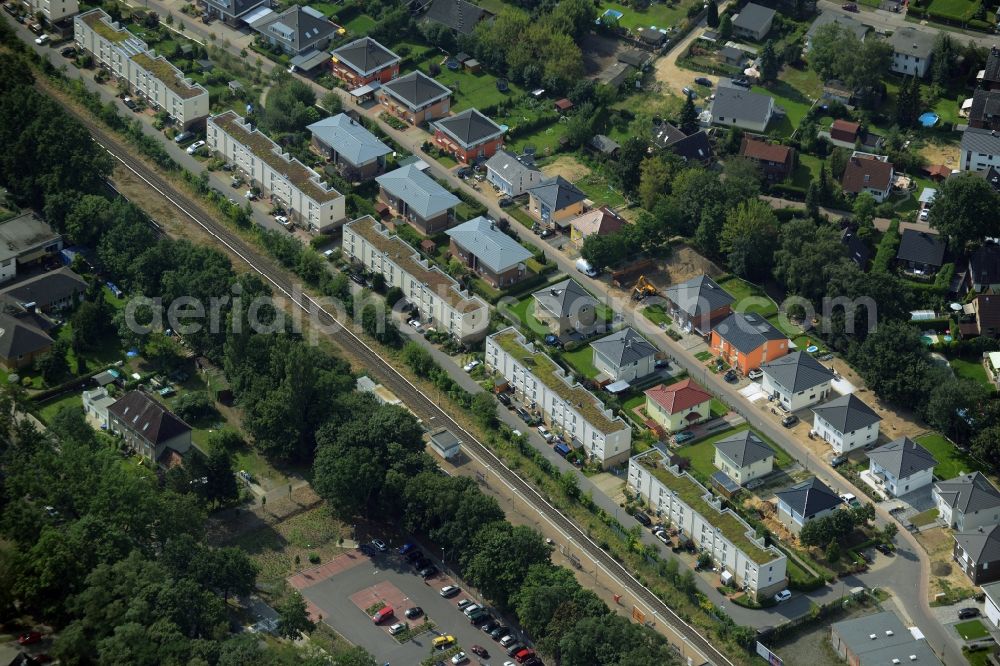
(382, 614)
(480, 651)
(524, 655)
(29, 638)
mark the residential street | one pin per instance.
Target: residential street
(881, 19)
(909, 564)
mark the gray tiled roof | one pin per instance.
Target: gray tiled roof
(984, 264)
(151, 420)
(809, 497)
(921, 247)
(909, 40)
(299, 27)
(733, 102)
(459, 15)
(45, 289)
(696, 147)
(416, 89)
(754, 17)
(858, 28)
(564, 298)
(981, 140)
(365, 55)
(235, 7)
(349, 138)
(24, 232)
(19, 338)
(747, 332)
(624, 347)
(698, 296)
(982, 545)
(507, 165)
(847, 413)
(902, 458)
(492, 247)
(557, 193)
(744, 448)
(469, 127)
(420, 192)
(797, 371)
(968, 493)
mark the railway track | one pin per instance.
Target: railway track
(416, 400)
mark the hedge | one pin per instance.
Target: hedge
(887, 248)
(792, 192)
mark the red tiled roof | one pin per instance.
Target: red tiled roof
(678, 397)
(879, 174)
(564, 104)
(938, 171)
(767, 152)
(845, 126)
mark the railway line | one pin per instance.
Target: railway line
(412, 396)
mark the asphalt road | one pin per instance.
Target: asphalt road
(881, 19)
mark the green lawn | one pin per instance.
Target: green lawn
(703, 355)
(977, 658)
(656, 314)
(924, 518)
(807, 168)
(794, 101)
(749, 297)
(49, 409)
(718, 408)
(658, 14)
(971, 630)
(600, 191)
(956, 9)
(973, 370)
(702, 454)
(951, 460)
(361, 24)
(447, 161)
(582, 361)
(523, 315)
(471, 90)
(545, 139)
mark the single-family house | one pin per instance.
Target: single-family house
(489, 252)
(991, 175)
(858, 250)
(296, 30)
(732, 55)
(989, 77)
(753, 22)
(26, 240)
(601, 221)
(853, 26)
(746, 340)
(566, 309)
(967, 502)
(356, 153)
(985, 311)
(678, 406)
(555, 201)
(459, 15)
(48, 292)
(992, 594)
(694, 149)
(624, 356)
(881, 638)
(978, 554)
(232, 12)
(985, 110)
(21, 341)
(911, 51)
(96, 403)
(415, 98)
(775, 161)
(604, 145)
(364, 61)
(147, 427)
(698, 304)
(417, 198)
(664, 134)
(797, 380)
(744, 457)
(652, 37)
(868, 173)
(741, 108)
(805, 502)
(468, 136)
(980, 149)
(847, 423)
(901, 466)
(921, 252)
(984, 268)
(512, 175)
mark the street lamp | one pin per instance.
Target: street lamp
(442, 557)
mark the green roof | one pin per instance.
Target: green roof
(95, 20)
(692, 493)
(167, 74)
(546, 370)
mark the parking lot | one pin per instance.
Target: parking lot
(341, 590)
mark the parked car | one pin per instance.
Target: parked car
(524, 655)
(883, 548)
(514, 649)
(460, 658)
(756, 373)
(449, 591)
(29, 638)
(397, 628)
(545, 433)
(471, 365)
(379, 545)
(480, 651)
(850, 500)
(195, 147)
(68, 52)
(464, 603)
(742, 82)
(731, 376)
(966, 613)
(642, 517)
(464, 172)
(479, 617)
(684, 436)
(411, 613)
(42, 40)
(441, 642)
(925, 215)
(703, 81)
(184, 136)
(413, 556)
(504, 399)
(490, 625)
(508, 640)
(428, 572)
(471, 608)
(505, 202)
(789, 420)
(690, 93)
(407, 547)
(499, 633)
(837, 461)
(661, 363)
(849, 6)
(382, 614)
(784, 595)
(127, 101)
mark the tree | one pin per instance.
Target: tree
(943, 57)
(725, 27)
(688, 119)
(626, 169)
(804, 253)
(769, 63)
(195, 406)
(332, 103)
(895, 364)
(293, 616)
(748, 238)
(502, 556)
(833, 551)
(52, 365)
(963, 209)
(986, 446)
(290, 106)
(484, 407)
(954, 407)
(830, 50)
(712, 15)
(864, 209)
(654, 181)
(220, 480)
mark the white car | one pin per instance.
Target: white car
(43, 39)
(784, 595)
(449, 591)
(545, 433)
(756, 373)
(281, 219)
(470, 609)
(415, 323)
(471, 365)
(378, 543)
(925, 215)
(397, 628)
(508, 640)
(459, 658)
(195, 147)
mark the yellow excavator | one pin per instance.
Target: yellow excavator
(643, 288)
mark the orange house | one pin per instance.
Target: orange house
(364, 61)
(744, 341)
(468, 136)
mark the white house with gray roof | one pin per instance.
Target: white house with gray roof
(489, 252)
(901, 466)
(855, 27)
(847, 423)
(567, 309)
(742, 108)
(980, 149)
(232, 12)
(417, 198)
(357, 153)
(624, 356)
(753, 22)
(805, 502)
(511, 175)
(296, 30)
(744, 457)
(797, 380)
(967, 502)
(911, 51)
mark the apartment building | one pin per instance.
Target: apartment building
(699, 516)
(291, 184)
(149, 76)
(569, 409)
(52, 10)
(439, 299)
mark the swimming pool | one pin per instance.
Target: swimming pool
(929, 119)
(611, 13)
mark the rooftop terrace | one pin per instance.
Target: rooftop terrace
(546, 370)
(405, 257)
(692, 493)
(169, 75)
(297, 173)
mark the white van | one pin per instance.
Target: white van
(584, 267)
